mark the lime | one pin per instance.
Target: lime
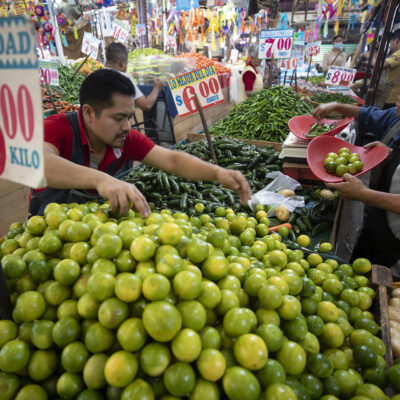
(154, 359)
(240, 384)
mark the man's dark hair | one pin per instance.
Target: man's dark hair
(116, 52)
(97, 89)
(337, 37)
(395, 35)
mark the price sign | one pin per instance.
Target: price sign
(141, 29)
(277, 42)
(203, 82)
(90, 45)
(292, 63)
(340, 76)
(313, 49)
(48, 72)
(21, 121)
(121, 31)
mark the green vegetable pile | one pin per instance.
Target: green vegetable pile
(170, 191)
(316, 80)
(263, 116)
(317, 129)
(70, 86)
(329, 97)
(137, 53)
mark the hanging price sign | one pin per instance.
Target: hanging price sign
(203, 82)
(296, 61)
(21, 122)
(121, 31)
(48, 73)
(141, 29)
(276, 42)
(340, 76)
(313, 49)
(90, 45)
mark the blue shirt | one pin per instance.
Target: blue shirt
(379, 122)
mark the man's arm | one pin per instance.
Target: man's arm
(64, 174)
(347, 110)
(192, 168)
(353, 189)
(146, 103)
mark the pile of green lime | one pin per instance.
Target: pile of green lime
(172, 307)
(343, 162)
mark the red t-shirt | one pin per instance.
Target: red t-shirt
(58, 132)
(249, 78)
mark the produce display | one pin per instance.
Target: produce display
(394, 322)
(317, 79)
(198, 308)
(330, 97)
(70, 86)
(137, 53)
(343, 162)
(263, 116)
(61, 105)
(319, 129)
(90, 66)
(202, 62)
(169, 191)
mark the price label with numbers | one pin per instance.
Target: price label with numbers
(277, 42)
(48, 72)
(21, 121)
(296, 61)
(90, 45)
(313, 49)
(204, 83)
(121, 31)
(340, 76)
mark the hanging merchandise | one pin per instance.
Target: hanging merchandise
(63, 24)
(326, 28)
(352, 21)
(283, 22)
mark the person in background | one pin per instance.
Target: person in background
(251, 80)
(392, 68)
(117, 58)
(336, 56)
(379, 240)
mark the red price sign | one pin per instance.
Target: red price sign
(276, 42)
(21, 121)
(340, 76)
(90, 45)
(292, 63)
(313, 49)
(203, 82)
(48, 73)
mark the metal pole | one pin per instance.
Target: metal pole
(309, 66)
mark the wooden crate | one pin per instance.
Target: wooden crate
(382, 282)
(194, 137)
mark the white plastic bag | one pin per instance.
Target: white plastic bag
(270, 196)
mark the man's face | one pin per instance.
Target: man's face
(112, 125)
(394, 45)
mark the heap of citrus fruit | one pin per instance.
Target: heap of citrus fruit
(343, 162)
(170, 308)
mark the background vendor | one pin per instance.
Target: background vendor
(251, 80)
(380, 237)
(336, 56)
(117, 58)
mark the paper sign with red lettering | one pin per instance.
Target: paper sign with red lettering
(21, 121)
(203, 82)
(340, 76)
(121, 31)
(313, 49)
(296, 61)
(48, 72)
(90, 45)
(277, 42)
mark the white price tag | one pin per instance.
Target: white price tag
(277, 42)
(48, 72)
(313, 49)
(140, 29)
(293, 62)
(90, 45)
(121, 31)
(203, 82)
(340, 76)
(21, 121)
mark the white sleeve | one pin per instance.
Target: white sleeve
(138, 92)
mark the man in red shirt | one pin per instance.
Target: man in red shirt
(84, 150)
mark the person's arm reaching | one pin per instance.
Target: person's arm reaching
(353, 189)
(146, 103)
(345, 109)
(64, 174)
(192, 168)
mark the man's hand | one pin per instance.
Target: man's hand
(351, 189)
(121, 194)
(374, 144)
(323, 110)
(236, 181)
(158, 84)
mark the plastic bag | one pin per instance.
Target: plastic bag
(270, 196)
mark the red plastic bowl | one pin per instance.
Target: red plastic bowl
(322, 145)
(301, 124)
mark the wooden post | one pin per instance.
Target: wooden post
(205, 127)
(48, 90)
(271, 67)
(309, 66)
(83, 62)
(295, 79)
